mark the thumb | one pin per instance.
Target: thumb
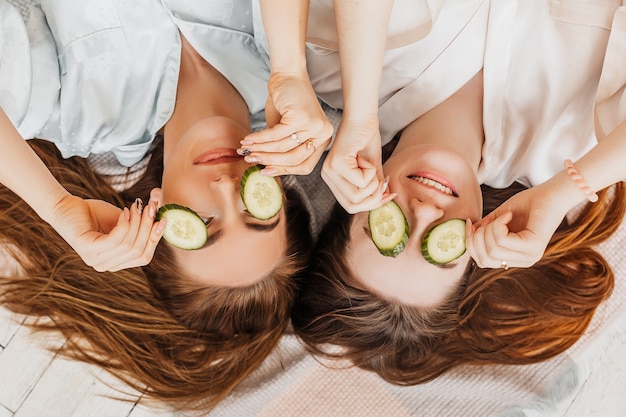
(368, 169)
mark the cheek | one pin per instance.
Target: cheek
(179, 188)
(478, 209)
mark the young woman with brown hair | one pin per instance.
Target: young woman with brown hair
(184, 326)
(409, 319)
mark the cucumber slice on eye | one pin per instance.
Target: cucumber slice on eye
(261, 194)
(389, 229)
(184, 228)
(444, 242)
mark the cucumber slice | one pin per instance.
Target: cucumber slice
(389, 229)
(444, 242)
(184, 228)
(261, 194)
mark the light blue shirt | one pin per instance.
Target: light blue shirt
(96, 76)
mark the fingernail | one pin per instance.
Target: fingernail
(139, 205)
(389, 197)
(468, 228)
(269, 172)
(126, 213)
(160, 228)
(152, 209)
(386, 184)
(252, 159)
(243, 151)
(245, 142)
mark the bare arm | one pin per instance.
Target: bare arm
(299, 131)
(362, 34)
(353, 168)
(285, 24)
(24, 173)
(602, 166)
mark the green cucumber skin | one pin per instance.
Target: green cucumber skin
(171, 206)
(398, 249)
(242, 189)
(161, 213)
(400, 245)
(426, 253)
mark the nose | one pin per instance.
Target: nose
(423, 213)
(224, 183)
(225, 189)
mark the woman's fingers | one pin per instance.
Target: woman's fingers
(133, 241)
(494, 246)
(300, 160)
(354, 199)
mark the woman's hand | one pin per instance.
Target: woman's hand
(106, 237)
(298, 131)
(353, 167)
(516, 233)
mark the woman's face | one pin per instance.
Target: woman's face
(203, 172)
(433, 184)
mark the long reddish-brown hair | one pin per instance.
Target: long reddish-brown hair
(517, 316)
(175, 342)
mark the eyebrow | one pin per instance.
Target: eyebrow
(266, 227)
(212, 238)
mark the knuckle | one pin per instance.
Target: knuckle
(136, 252)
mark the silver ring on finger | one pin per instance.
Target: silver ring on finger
(504, 265)
(309, 145)
(295, 138)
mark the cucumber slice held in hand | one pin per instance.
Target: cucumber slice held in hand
(184, 228)
(261, 194)
(444, 242)
(389, 229)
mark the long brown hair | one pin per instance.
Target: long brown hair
(517, 316)
(190, 353)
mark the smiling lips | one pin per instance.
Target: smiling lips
(439, 184)
(218, 156)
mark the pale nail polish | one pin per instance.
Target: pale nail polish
(385, 184)
(268, 172)
(160, 228)
(389, 197)
(251, 159)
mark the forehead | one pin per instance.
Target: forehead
(407, 278)
(241, 257)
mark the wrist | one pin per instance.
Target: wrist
(288, 64)
(277, 77)
(563, 192)
(362, 115)
(52, 201)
